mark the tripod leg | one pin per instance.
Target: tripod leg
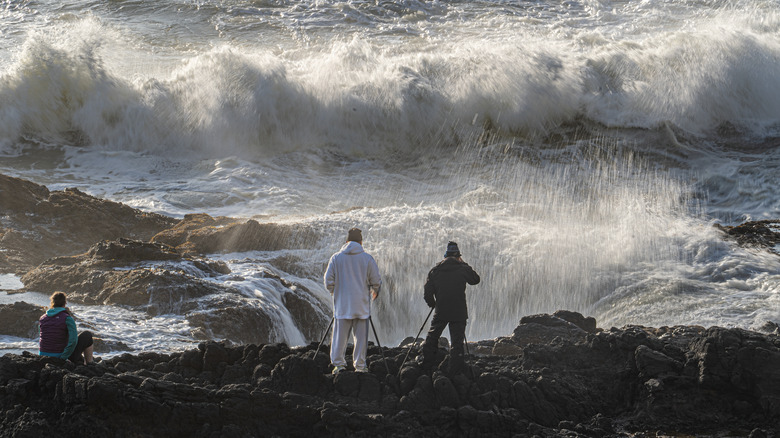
(379, 344)
(466, 344)
(324, 336)
(414, 342)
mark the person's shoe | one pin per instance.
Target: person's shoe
(361, 370)
(337, 369)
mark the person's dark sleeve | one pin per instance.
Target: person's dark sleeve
(430, 292)
(472, 277)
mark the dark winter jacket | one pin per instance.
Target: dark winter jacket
(445, 289)
(58, 333)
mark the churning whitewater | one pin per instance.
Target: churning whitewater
(579, 152)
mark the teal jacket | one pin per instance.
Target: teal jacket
(58, 335)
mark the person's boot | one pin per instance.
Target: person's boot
(457, 364)
(429, 356)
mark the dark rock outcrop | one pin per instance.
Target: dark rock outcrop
(37, 224)
(20, 319)
(203, 234)
(535, 329)
(147, 261)
(763, 234)
(124, 272)
(618, 382)
(157, 279)
(232, 317)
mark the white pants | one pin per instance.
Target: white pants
(338, 345)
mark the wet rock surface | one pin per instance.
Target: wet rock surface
(156, 278)
(763, 234)
(123, 272)
(37, 224)
(105, 253)
(633, 381)
(203, 234)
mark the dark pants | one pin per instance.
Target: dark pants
(457, 339)
(85, 341)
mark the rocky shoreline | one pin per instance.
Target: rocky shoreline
(553, 377)
(103, 252)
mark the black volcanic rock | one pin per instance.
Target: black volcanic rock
(760, 234)
(544, 328)
(620, 382)
(585, 323)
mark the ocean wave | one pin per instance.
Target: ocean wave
(355, 96)
(696, 80)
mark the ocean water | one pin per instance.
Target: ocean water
(578, 151)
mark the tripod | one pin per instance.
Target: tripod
(373, 327)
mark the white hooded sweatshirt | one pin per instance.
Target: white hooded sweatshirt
(350, 276)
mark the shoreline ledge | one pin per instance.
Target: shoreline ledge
(554, 376)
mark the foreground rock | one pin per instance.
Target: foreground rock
(665, 381)
(37, 224)
(157, 279)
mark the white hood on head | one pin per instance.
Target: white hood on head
(351, 274)
(352, 248)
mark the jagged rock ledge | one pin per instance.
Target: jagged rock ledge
(157, 278)
(37, 224)
(559, 375)
(764, 234)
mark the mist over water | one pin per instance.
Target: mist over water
(578, 152)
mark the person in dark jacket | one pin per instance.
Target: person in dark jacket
(445, 290)
(58, 337)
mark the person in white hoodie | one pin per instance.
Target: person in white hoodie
(353, 279)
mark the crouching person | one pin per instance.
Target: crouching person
(59, 337)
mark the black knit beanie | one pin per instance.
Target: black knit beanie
(452, 250)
